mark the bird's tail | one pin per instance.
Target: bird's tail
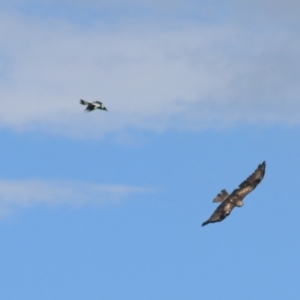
(83, 102)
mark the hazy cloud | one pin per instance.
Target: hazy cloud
(287, 8)
(16, 194)
(152, 78)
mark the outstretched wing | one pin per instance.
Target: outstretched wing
(222, 211)
(222, 196)
(84, 102)
(251, 182)
(98, 102)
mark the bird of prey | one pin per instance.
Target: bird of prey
(230, 201)
(92, 105)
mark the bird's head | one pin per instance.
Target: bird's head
(104, 108)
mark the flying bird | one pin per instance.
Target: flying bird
(230, 201)
(92, 105)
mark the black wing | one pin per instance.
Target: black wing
(90, 107)
(252, 181)
(222, 211)
(84, 102)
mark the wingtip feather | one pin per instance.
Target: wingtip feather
(263, 165)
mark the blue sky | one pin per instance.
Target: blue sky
(110, 205)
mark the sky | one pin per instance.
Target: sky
(109, 205)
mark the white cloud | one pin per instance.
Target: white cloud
(16, 194)
(285, 9)
(272, 8)
(148, 77)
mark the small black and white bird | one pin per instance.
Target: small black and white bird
(92, 105)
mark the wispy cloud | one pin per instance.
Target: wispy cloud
(155, 78)
(16, 194)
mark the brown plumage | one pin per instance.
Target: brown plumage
(229, 202)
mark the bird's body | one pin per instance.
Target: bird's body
(92, 105)
(229, 201)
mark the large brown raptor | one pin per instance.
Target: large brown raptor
(230, 201)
